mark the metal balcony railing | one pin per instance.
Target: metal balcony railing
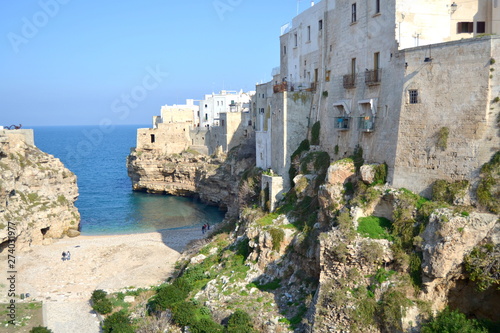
(366, 124)
(342, 123)
(373, 77)
(349, 81)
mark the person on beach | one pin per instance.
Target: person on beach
(68, 255)
(63, 256)
(203, 228)
(208, 226)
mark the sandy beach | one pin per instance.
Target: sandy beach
(110, 263)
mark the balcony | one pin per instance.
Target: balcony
(342, 123)
(373, 77)
(349, 81)
(366, 124)
(283, 86)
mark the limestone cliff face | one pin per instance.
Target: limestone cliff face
(214, 179)
(312, 265)
(37, 194)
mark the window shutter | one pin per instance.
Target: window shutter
(459, 27)
(470, 27)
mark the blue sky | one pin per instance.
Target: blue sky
(83, 62)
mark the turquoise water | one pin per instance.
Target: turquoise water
(107, 204)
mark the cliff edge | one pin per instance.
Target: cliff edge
(37, 195)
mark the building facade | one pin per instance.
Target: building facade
(388, 77)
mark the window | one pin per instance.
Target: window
(465, 27)
(206, 116)
(413, 94)
(284, 49)
(327, 75)
(295, 39)
(308, 33)
(480, 27)
(320, 25)
(353, 13)
(152, 138)
(377, 6)
(376, 60)
(353, 66)
(206, 105)
(222, 122)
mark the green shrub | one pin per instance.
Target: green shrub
(40, 329)
(118, 322)
(488, 193)
(392, 308)
(100, 302)
(166, 297)
(374, 227)
(292, 172)
(206, 325)
(443, 191)
(184, 313)
(315, 131)
(452, 321)
(277, 235)
(273, 285)
(380, 174)
(240, 322)
(483, 265)
(442, 141)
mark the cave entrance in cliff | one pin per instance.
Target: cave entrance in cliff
(44, 231)
(153, 139)
(4, 245)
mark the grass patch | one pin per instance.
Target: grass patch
(374, 227)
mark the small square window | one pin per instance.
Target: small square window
(480, 27)
(465, 27)
(413, 96)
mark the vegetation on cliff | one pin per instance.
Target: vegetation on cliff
(341, 252)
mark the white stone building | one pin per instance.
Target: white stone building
(213, 105)
(387, 77)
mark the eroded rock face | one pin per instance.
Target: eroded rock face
(214, 179)
(37, 195)
(447, 239)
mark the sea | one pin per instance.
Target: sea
(107, 204)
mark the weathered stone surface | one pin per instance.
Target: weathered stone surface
(368, 173)
(37, 194)
(447, 239)
(214, 179)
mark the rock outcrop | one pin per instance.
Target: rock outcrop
(214, 179)
(37, 195)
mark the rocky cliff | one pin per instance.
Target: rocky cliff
(343, 252)
(214, 179)
(37, 195)
(346, 253)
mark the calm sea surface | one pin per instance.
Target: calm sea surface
(107, 203)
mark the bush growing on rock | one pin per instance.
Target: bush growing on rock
(117, 322)
(240, 322)
(452, 321)
(40, 329)
(100, 302)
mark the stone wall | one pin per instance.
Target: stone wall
(17, 136)
(169, 138)
(275, 187)
(455, 94)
